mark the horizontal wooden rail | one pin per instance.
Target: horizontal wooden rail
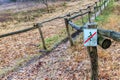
(59, 17)
(107, 33)
(84, 9)
(17, 32)
(77, 15)
(78, 28)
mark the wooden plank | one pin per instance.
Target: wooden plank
(82, 17)
(68, 31)
(41, 34)
(17, 32)
(110, 34)
(89, 14)
(92, 51)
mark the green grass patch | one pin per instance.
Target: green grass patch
(105, 14)
(101, 18)
(79, 22)
(51, 41)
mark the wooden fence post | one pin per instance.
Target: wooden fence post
(89, 14)
(68, 31)
(104, 4)
(107, 1)
(95, 11)
(41, 35)
(100, 6)
(92, 51)
(69, 15)
(96, 5)
(82, 17)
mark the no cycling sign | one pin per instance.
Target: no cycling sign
(90, 37)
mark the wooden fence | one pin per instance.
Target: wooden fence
(103, 41)
(103, 35)
(95, 9)
(103, 38)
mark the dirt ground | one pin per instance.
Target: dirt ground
(61, 64)
(71, 63)
(19, 48)
(14, 25)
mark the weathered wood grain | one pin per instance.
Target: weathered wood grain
(68, 31)
(17, 32)
(92, 51)
(110, 34)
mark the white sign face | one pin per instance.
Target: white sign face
(90, 37)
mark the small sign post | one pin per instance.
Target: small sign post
(90, 40)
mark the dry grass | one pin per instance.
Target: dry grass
(20, 46)
(109, 59)
(21, 20)
(109, 66)
(110, 18)
(25, 45)
(113, 24)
